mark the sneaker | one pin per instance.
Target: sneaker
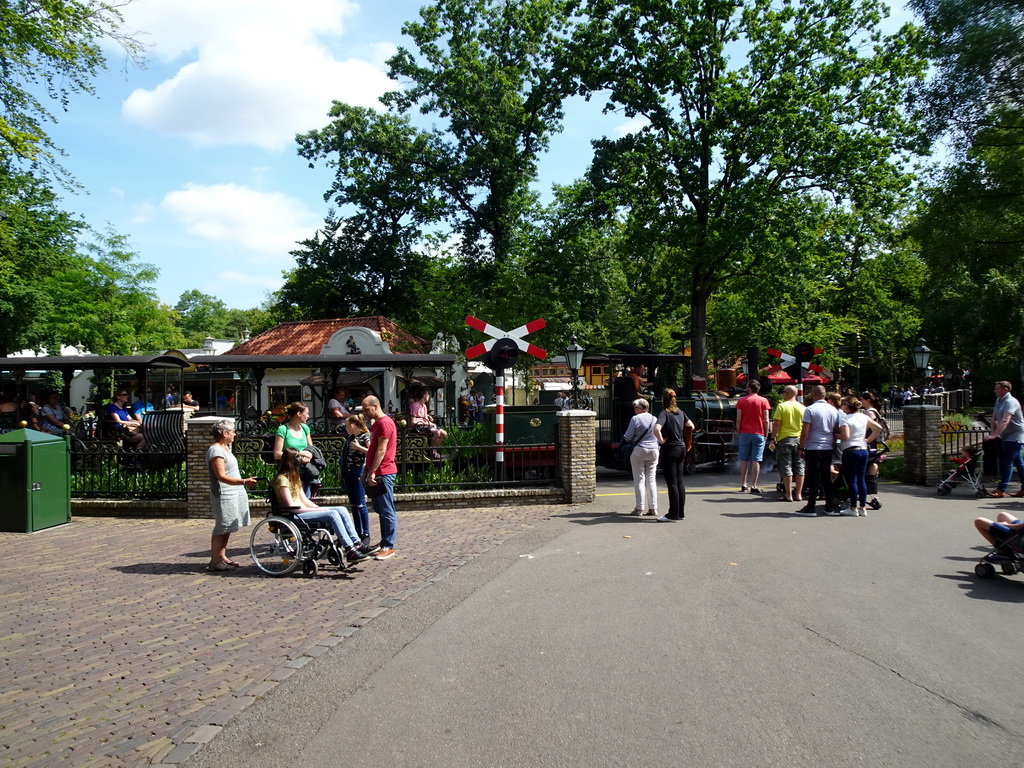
(849, 512)
(743, 489)
(370, 549)
(652, 512)
(664, 519)
(832, 511)
(805, 512)
(635, 513)
(384, 553)
(862, 511)
(354, 555)
(755, 490)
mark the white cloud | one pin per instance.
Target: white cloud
(259, 71)
(267, 225)
(249, 280)
(631, 126)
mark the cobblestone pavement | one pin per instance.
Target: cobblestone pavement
(120, 648)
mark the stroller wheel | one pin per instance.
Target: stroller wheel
(875, 504)
(984, 571)
(944, 490)
(1008, 568)
(981, 493)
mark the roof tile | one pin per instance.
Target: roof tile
(307, 337)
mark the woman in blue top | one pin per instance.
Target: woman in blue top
(295, 434)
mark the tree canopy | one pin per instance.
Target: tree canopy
(50, 49)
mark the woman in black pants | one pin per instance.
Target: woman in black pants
(674, 432)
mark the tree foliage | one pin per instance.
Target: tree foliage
(740, 107)
(50, 50)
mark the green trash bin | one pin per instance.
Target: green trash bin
(35, 481)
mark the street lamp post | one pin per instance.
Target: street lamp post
(574, 359)
(922, 357)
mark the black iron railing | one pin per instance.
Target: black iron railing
(420, 467)
(108, 470)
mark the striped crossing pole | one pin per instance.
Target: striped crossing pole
(501, 351)
(499, 423)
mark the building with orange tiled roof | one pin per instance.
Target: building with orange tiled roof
(367, 355)
(312, 337)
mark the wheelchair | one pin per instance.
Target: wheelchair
(281, 542)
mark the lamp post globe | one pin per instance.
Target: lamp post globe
(574, 359)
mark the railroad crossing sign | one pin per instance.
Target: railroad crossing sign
(506, 344)
(501, 351)
(797, 364)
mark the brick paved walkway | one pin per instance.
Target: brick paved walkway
(121, 650)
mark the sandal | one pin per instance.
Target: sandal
(221, 566)
(233, 563)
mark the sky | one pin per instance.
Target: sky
(193, 158)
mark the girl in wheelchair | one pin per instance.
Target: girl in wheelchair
(288, 489)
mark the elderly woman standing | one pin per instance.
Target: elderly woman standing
(644, 459)
(228, 498)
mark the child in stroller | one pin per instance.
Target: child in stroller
(968, 471)
(1006, 535)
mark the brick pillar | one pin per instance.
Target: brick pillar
(577, 446)
(922, 452)
(197, 440)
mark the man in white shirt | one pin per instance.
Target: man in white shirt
(817, 437)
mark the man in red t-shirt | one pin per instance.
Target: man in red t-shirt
(381, 469)
(752, 426)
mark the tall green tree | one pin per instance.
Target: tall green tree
(971, 224)
(739, 106)
(485, 73)
(50, 50)
(977, 52)
(38, 252)
(107, 301)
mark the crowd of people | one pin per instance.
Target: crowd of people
(367, 468)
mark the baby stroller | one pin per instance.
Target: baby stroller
(876, 456)
(968, 472)
(1009, 556)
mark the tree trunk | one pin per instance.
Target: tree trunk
(699, 331)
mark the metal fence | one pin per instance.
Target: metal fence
(954, 441)
(420, 467)
(107, 470)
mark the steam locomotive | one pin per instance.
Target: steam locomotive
(713, 414)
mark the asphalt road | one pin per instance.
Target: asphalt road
(740, 636)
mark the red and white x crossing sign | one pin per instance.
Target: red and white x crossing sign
(516, 335)
(506, 347)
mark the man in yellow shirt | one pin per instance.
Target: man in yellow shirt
(786, 424)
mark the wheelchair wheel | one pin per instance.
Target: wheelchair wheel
(276, 546)
(310, 568)
(984, 570)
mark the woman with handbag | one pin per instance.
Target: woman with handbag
(674, 432)
(644, 458)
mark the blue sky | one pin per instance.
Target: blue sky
(193, 158)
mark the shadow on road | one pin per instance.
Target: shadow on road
(998, 589)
